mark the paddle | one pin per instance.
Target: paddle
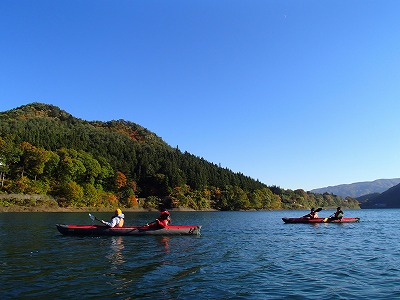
(339, 217)
(94, 218)
(317, 210)
(326, 219)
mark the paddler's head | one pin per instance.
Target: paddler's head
(118, 211)
(164, 214)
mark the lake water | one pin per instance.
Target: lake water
(240, 255)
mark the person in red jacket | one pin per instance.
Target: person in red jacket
(162, 221)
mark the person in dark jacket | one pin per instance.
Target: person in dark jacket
(338, 215)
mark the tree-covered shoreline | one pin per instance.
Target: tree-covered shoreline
(46, 151)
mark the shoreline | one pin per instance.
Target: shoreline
(45, 203)
(30, 209)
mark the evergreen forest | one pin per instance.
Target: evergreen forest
(46, 151)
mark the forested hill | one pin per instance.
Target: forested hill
(388, 199)
(45, 150)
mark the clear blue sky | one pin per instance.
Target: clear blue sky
(299, 94)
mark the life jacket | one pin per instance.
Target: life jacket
(339, 214)
(120, 223)
(164, 219)
(311, 215)
(121, 220)
(162, 223)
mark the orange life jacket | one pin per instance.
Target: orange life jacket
(121, 222)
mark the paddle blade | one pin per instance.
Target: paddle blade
(92, 217)
(318, 209)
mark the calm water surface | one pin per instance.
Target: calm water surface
(240, 255)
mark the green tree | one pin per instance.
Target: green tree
(92, 167)
(262, 198)
(91, 194)
(51, 166)
(71, 168)
(72, 194)
(106, 175)
(34, 159)
(10, 155)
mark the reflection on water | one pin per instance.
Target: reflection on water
(164, 241)
(116, 251)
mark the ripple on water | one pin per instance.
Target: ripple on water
(256, 258)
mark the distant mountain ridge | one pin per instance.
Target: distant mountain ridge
(358, 189)
(388, 199)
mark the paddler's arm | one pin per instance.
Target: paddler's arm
(156, 222)
(110, 224)
(149, 224)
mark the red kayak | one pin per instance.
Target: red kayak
(320, 220)
(98, 230)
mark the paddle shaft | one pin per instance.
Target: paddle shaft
(326, 219)
(317, 210)
(95, 218)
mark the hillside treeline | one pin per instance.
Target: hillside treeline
(44, 150)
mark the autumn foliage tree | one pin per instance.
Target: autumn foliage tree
(120, 180)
